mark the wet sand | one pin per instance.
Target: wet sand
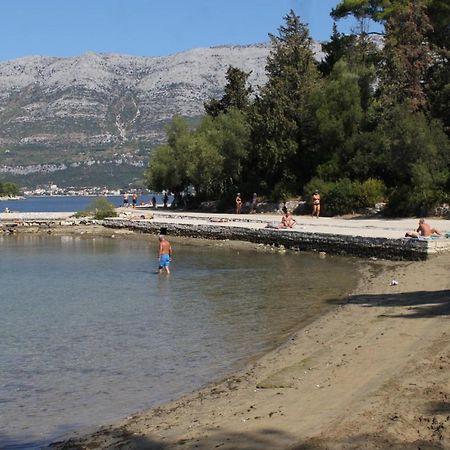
(371, 374)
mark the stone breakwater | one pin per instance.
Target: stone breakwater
(364, 246)
(380, 238)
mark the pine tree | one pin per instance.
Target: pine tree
(407, 56)
(237, 93)
(280, 119)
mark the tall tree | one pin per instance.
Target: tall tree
(237, 93)
(407, 55)
(281, 120)
(335, 49)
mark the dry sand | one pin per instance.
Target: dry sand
(372, 374)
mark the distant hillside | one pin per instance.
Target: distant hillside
(93, 119)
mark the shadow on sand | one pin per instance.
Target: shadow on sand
(418, 304)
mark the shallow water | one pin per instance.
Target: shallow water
(90, 333)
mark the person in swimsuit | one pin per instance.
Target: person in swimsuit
(165, 254)
(424, 230)
(254, 203)
(316, 204)
(134, 199)
(238, 202)
(287, 221)
(125, 200)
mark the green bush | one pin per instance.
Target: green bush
(99, 208)
(404, 201)
(372, 191)
(345, 196)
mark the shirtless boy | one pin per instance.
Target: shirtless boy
(165, 254)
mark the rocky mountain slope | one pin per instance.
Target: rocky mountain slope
(93, 119)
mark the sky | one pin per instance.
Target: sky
(148, 27)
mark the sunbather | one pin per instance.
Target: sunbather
(424, 230)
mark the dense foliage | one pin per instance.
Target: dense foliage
(370, 122)
(8, 189)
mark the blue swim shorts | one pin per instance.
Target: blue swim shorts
(164, 261)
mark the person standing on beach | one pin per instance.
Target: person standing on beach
(134, 199)
(165, 254)
(254, 203)
(238, 202)
(165, 199)
(316, 204)
(125, 200)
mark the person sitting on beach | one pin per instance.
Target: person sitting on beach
(424, 230)
(165, 254)
(287, 221)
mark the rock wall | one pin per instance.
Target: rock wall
(407, 249)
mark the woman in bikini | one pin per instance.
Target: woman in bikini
(316, 204)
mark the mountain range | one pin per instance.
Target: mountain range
(94, 119)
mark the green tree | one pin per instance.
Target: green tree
(338, 115)
(417, 158)
(168, 162)
(8, 189)
(407, 56)
(237, 93)
(335, 49)
(209, 158)
(280, 120)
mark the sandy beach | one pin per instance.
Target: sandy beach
(371, 374)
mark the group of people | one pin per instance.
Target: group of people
(134, 198)
(253, 205)
(287, 221)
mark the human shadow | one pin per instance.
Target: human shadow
(267, 439)
(439, 408)
(369, 442)
(418, 304)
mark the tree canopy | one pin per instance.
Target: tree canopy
(369, 122)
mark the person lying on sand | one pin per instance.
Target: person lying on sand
(424, 230)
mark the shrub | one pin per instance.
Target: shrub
(345, 196)
(372, 191)
(99, 208)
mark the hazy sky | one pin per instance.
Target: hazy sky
(147, 27)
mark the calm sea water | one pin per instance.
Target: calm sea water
(90, 333)
(64, 203)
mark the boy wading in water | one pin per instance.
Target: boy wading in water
(165, 254)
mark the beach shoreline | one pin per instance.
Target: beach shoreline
(369, 374)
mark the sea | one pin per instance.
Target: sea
(90, 333)
(66, 203)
